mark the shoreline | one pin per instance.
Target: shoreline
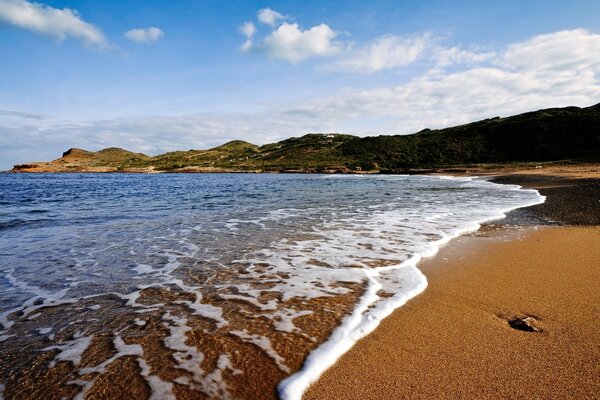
(454, 340)
(364, 322)
(560, 168)
(252, 384)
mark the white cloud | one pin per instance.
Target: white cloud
(269, 17)
(248, 29)
(247, 45)
(554, 70)
(144, 35)
(287, 41)
(445, 56)
(565, 50)
(56, 23)
(290, 43)
(394, 52)
(383, 53)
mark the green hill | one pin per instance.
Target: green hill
(557, 134)
(570, 133)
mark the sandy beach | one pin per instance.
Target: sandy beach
(455, 340)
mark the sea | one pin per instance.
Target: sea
(241, 286)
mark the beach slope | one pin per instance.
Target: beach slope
(455, 340)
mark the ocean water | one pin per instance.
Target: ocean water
(227, 285)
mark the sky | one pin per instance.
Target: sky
(155, 76)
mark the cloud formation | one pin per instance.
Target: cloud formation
(383, 53)
(288, 41)
(144, 35)
(568, 50)
(446, 56)
(269, 17)
(552, 70)
(247, 29)
(392, 52)
(56, 23)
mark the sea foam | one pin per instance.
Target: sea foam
(372, 309)
(246, 255)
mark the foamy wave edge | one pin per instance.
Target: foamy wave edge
(361, 322)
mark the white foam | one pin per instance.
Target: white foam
(131, 298)
(85, 387)
(371, 308)
(71, 350)
(224, 362)
(52, 300)
(160, 390)
(283, 320)
(5, 337)
(265, 344)
(376, 244)
(233, 225)
(270, 305)
(143, 269)
(189, 359)
(147, 310)
(207, 311)
(213, 384)
(203, 309)
(41, 298)
(122, 349)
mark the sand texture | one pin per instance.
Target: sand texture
(454, 341)
(540, 264)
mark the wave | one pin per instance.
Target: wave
(372, 309)
(253, 275)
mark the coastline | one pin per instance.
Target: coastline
(454, 340)
(158, 322)
(559, 168)
(253, 386)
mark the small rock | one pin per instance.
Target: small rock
(526, 324)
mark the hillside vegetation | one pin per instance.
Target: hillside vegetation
(570, 133)
(557, 134)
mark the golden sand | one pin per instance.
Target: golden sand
(569, 171)
(454, 341)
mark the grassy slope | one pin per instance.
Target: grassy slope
(569, 133)
(310, 152)
(547, 135)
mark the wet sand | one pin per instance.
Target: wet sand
(455, 341)
(443, 340)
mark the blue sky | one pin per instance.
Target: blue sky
(155, 76)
